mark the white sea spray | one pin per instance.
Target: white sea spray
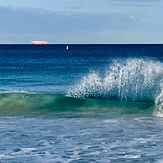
(126, 80)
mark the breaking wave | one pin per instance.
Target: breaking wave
(131, 85)
(131, 80)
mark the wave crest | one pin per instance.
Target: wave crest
(128, 80)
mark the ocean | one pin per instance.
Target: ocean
(90, 103)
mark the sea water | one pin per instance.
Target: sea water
(90, 103)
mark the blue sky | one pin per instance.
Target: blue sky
(81, 21)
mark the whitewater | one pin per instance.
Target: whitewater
(135, 80)
(91, 103)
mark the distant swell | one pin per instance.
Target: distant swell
(128, 80)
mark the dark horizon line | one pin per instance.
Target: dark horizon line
(81, 44)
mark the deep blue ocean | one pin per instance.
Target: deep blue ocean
(90, 103)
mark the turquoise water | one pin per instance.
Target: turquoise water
(92, 103)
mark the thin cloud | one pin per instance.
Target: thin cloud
(140, 3)
(43, 21)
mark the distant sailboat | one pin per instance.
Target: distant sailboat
(67, 47)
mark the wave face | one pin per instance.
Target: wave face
(45, 104)
(26, 103)
(131, 80)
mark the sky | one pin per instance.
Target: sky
(81, 21)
